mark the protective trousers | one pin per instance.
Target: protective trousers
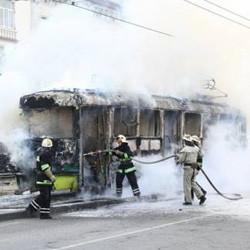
(132, 181)
(189, 182)
(42, 201)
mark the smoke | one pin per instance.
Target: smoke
(226, 159)
(225, 162)
(75, 49)
(162, 178)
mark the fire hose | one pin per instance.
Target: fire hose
(167, 158)
(154, 162)
(204, 173)
(221, 194)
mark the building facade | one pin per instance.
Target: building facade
(19, 17)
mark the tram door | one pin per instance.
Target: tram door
(94, 128)
(192, 124)
(171, 130)
(94, 132)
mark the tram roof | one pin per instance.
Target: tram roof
(88, 98)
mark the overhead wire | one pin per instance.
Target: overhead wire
(217, 14)
(115, 18)
(223, 8)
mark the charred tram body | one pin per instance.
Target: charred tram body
(85, 121)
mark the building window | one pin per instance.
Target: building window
(6, 18)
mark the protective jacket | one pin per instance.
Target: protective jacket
(43, 166)
(188, 155)
(126, 165)
(199, 159)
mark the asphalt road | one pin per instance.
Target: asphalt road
(158, 225)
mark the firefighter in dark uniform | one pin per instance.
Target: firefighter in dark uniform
(126, 167)
(44, 182)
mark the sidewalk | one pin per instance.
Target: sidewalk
(13, 207)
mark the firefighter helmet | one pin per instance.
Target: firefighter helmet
(47, 143)
(187, 137)
(121, 138)
(195, 138)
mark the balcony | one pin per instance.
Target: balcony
(8, 34)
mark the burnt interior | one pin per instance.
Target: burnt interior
(38, 102)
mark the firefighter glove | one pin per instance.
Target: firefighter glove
(117, 152)
(53, 178)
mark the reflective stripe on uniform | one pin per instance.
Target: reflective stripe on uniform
(128, 170)
(35, 205)
(45, 167)
(127, 159)
(125, 171)
(136, 191)
(45, 182)
(38, 158)
(45, 210)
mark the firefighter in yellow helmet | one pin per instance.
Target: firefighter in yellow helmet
(188, 157)
(126, 167)
(44, 182)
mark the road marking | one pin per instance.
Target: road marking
(130, 233)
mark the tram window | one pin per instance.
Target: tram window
(240, 122)
(226, 118)
(150, 123)
(209, 120)
(57, 123)
(192, 123)
(125, 121)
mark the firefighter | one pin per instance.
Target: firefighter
(126, 167)
(188, 157)
(197, 142)
(44, 182)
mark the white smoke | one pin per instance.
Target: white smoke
(226, 160)
(73, 48)
(163, 178)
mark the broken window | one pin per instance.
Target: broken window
(125, 121)
(192, 124)
(56, 123)
(149, 122)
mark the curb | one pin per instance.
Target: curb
(61, 208)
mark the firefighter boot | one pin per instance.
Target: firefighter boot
(45, 216)
(30, 211)
(192, 194)
(187, 203)
(202, 199)
(203, 191)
